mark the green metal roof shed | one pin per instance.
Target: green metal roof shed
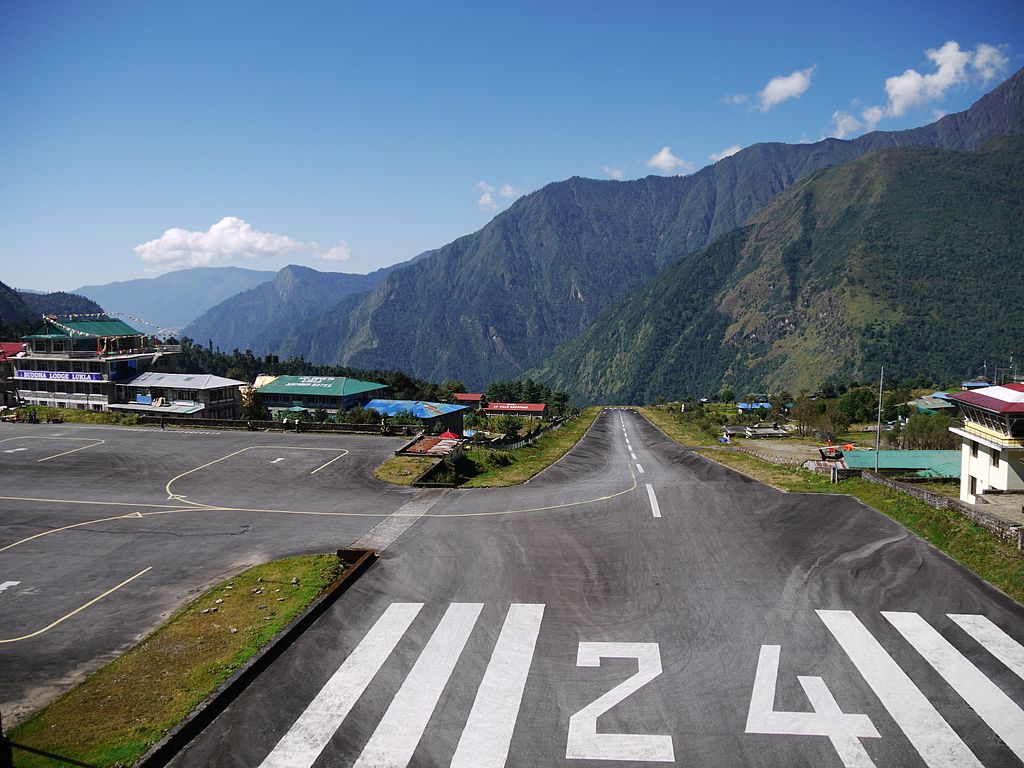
(923, 463)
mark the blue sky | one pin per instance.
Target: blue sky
(141, 137)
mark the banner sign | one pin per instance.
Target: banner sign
(59, 375)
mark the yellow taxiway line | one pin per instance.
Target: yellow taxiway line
(81, 608)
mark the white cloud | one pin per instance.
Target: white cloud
(954, 67)
(666, 162)
(989, 61)
(615, 172)
(785, 87)
(871, 117)
(735, 98)
(507, 190)
(727, 152)
(486, 201)
(340, 251)
(845, 124)
(912, 89)
(229, 239)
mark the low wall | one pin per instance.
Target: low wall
(278, 426)
(1004, 529)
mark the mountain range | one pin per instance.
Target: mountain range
(699, 268)
(176, 299)
(498, 302)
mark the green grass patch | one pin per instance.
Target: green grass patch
(486, 468)
(677, 425)
(990, 557)
(403, 470)
(112, 717)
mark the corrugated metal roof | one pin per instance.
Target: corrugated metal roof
(418, 408)
(100, 327)
(182, 381)
(1005, 398)
(334, 386)
(934, 463)
(179, 409)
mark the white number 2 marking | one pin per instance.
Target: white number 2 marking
(585, 743)
(827, 719)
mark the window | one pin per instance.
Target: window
(39, 346)
(995, 457)
(974, 486)
(58, 346)
(974, 453)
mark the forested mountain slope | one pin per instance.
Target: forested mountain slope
(911, 258)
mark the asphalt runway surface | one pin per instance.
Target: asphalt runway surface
(156, 516)
(635, 603)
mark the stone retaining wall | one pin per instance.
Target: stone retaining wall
(1004, 529)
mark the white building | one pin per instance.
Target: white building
(992, 452)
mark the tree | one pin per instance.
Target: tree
(509, 424)
(726, 395)
(805, 413)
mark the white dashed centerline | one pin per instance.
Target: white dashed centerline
(639, 469)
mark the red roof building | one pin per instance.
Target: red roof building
(467, 398)
(992, 447)
(529, 410)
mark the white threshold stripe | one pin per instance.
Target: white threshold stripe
(306, 739)
(488, 733)
(639, 469)
(995, 641)
(931, 736)
(654, 500)
(399, 731)
(988, 701)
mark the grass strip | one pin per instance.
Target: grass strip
(683, 431)
(113, 716)
(493, 469)
(984, 553)
(77, 415)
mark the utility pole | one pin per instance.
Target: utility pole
(878, 425)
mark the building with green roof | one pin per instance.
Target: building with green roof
(76, 361)
(936, 464)
(329, 393)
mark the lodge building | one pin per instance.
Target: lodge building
(78, 360)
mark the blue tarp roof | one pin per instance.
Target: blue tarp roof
(753, 406)
(418, 408)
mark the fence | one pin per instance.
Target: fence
(1004, 529)
(771, 458)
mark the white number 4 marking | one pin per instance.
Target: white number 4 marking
(844, 730)
(585, 743)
